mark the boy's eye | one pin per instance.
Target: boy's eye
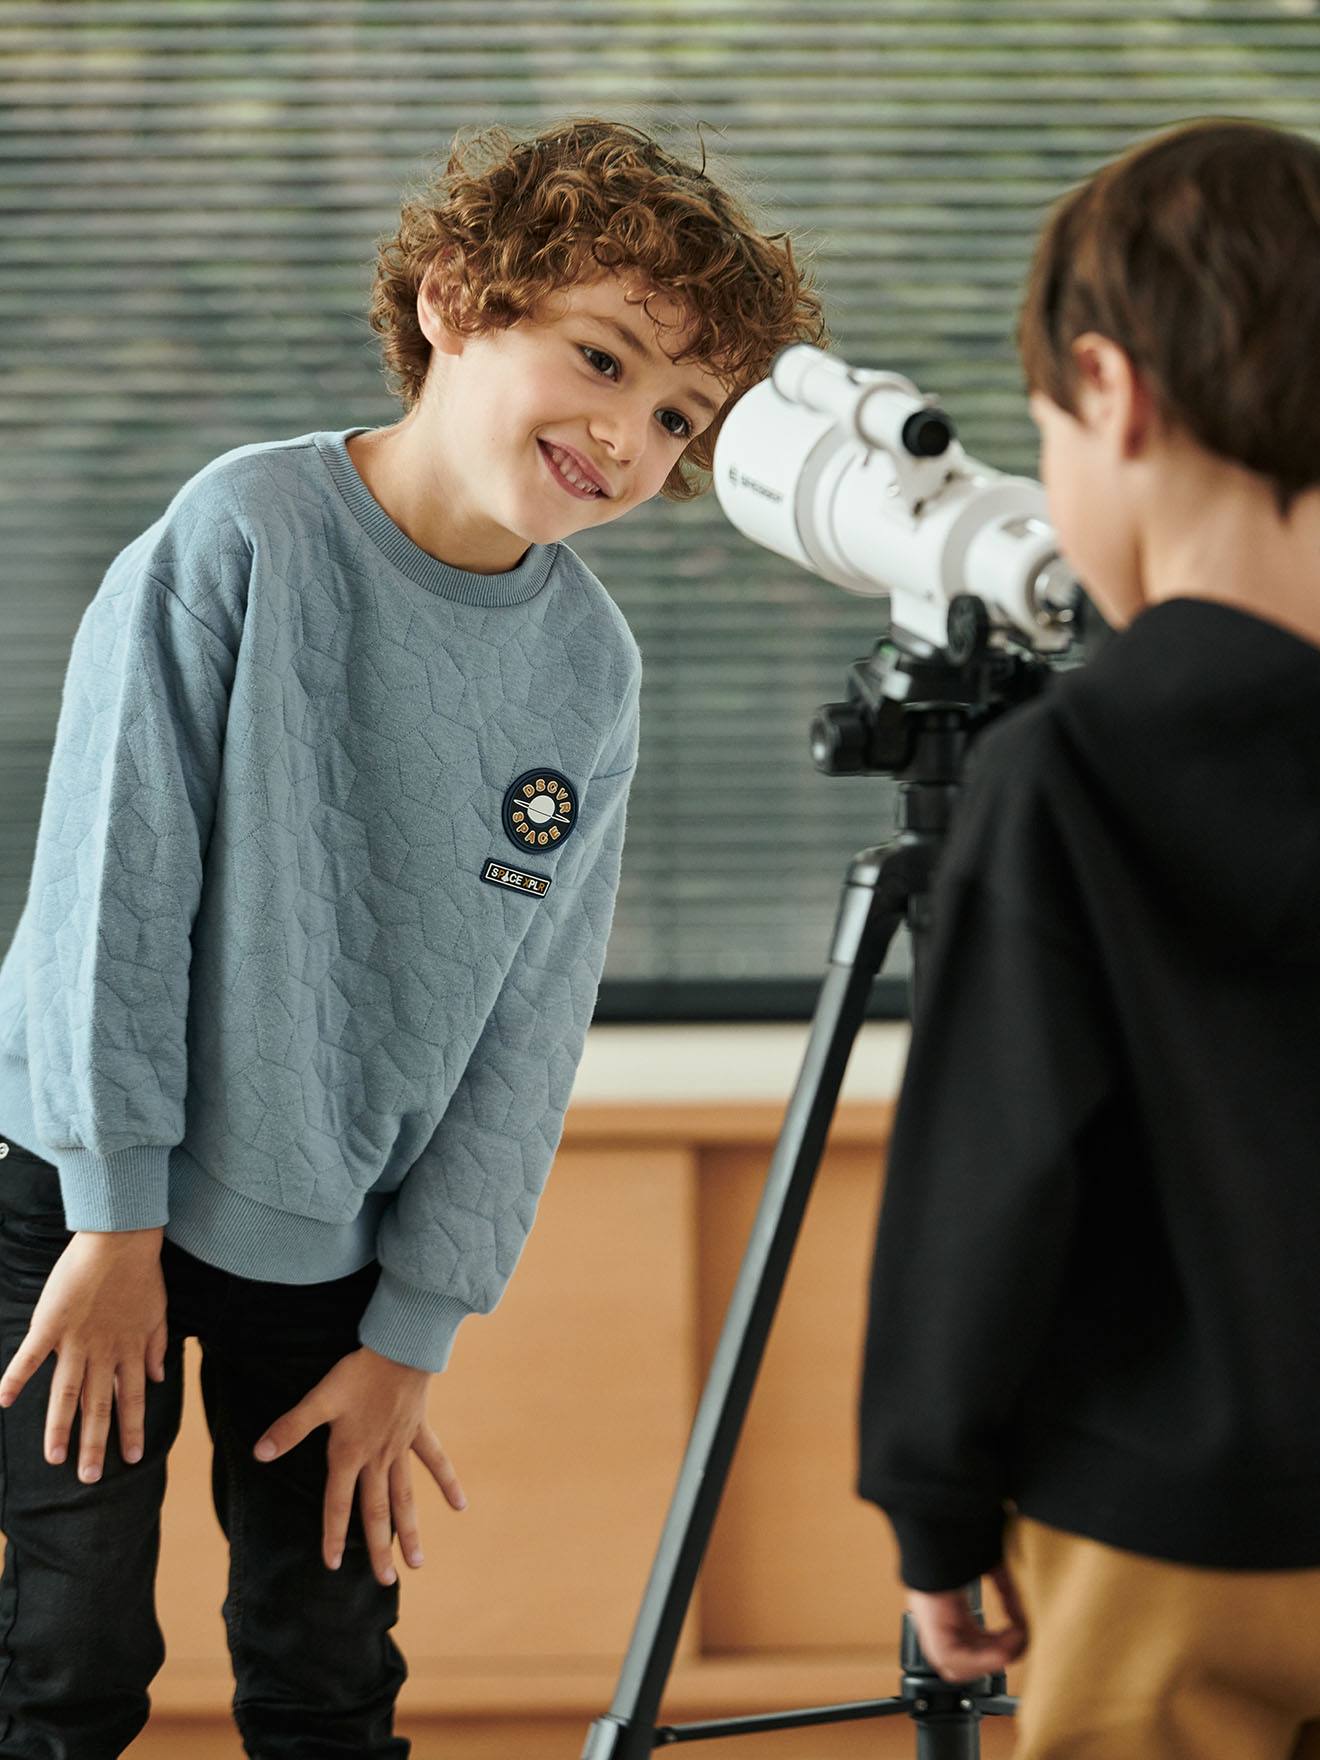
(682, 433)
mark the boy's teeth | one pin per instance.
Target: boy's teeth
(571, 471)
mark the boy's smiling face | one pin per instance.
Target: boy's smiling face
(494, 406)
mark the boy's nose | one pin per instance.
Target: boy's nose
(619, 441)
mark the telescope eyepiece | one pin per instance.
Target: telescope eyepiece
(927, 433)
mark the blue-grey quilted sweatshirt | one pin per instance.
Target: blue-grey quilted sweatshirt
(323, 879)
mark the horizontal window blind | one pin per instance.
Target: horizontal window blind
(191, 192)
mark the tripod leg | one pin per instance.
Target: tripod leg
(873, 904)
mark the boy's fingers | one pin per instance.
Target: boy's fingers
(157, 1346)
(131, 1400)
(291, 1427)
(426, 1445)
(975, 1651)
(1009, 1642)
(404, 1506)
(1002, 1578)
(961, 1651)
(26, 1360)
(960, 1663)
(65, 1392)
(339, 1484)
(98, 1401)
(956, 1645)
(374, 1498)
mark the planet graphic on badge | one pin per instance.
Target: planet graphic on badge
(540, 809)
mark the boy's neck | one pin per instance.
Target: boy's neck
(400, 472)
(1223, 540)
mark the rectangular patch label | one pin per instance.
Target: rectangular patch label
(498, 875)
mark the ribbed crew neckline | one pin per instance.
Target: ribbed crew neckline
(515, 587)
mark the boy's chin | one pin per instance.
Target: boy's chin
(574, 519)
(543, 529)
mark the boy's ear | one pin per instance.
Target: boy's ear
(1098, 362)
(436, 332)
(1112, 392)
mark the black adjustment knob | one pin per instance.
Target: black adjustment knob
(968, 628)
(839, 736)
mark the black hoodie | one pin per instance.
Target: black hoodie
(1096, 1285)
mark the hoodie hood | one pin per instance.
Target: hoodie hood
(1197, 730)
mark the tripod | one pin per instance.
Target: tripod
(911, 718)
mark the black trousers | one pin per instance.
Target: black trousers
(316, 1671)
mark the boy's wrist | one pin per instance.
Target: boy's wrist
(128, 1238)
(405, 1369)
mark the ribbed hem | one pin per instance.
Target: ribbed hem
(515, 587)
(236, 1233)
(102, 1194)
(1166, 1509)
(411, 1325)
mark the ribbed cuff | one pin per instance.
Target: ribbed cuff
(106, 1194)
(410, 1325)
(939, 1553)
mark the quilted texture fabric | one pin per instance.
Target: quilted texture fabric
(260, 992)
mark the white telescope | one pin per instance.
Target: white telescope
(856, 476)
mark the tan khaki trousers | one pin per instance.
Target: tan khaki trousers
(1132, 1658)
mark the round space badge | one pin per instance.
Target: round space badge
(540, 809)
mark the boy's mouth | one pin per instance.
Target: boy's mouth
(559, 462)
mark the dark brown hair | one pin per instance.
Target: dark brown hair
(1198, 253)
(511, 221)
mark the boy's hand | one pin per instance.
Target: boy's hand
(376, 1410)
(102, 1311)
(953, 1642)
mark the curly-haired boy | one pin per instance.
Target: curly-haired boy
(1094, 1330)
(319, 904)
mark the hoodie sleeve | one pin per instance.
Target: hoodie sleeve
(117, 873)
(1007, 1064)
(456, 1228)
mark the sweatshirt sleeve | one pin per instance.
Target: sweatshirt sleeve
(117, 873)
(1007, 1064)
(456, 1228)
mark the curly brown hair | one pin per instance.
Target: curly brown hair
(1198, 252)
(512, 221)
